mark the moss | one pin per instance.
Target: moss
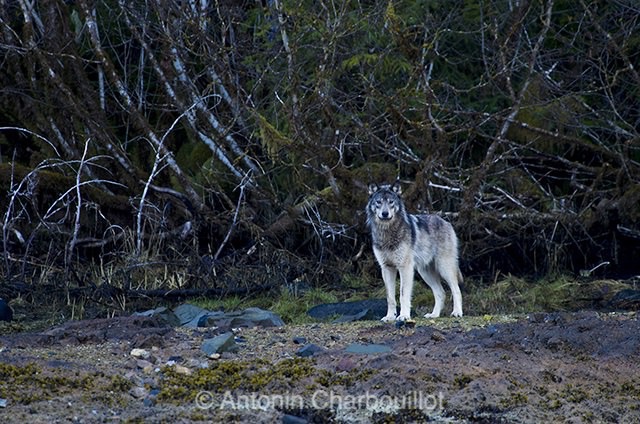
(232, 375)
(253, 376)
(401, 416)
(574, 394)
(119, 384)
(461, 381)
(293, 309)
(328, 378)
(514, 399)
(29, 383)
(630, 388)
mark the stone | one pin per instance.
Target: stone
(163, 313)
(189, 314)
(193, 316)
(223, 343)
(209, 319)
(252, 317)
(355, 317)
(299, 340)
(143, 364)
(140, 353)
(292, 419)
(138, 392)
(372, 309)
(367, 349)
(181, 369)
(309, 350)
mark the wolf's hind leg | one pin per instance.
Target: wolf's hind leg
(450, 272)
(433, 280)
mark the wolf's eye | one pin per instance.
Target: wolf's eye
(390, 202)
(378, 202)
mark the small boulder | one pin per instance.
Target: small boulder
(189, 315)
(163, 313)
(223, 343)
(209, 319)
(372, 309)
(252, 317)
(309, 350)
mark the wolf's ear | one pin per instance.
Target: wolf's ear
(396, 187)
(373, 188)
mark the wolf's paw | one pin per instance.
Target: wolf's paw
(404, 317)
(388, 318)
(456, 313)
(432, 315)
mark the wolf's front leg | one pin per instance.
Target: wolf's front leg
(389, 277)
(406, 290)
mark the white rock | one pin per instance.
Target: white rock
(140, 353)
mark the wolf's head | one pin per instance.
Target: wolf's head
(384, 202)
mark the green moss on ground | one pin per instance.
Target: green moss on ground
(29, 383)
(252, 377)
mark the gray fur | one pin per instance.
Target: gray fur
(403, 242)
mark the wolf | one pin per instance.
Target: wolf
(403, 242)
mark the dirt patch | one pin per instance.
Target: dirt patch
(574, 367)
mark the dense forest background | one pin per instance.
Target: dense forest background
(227, 145)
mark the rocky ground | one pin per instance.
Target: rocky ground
(557, 367)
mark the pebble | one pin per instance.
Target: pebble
(140, 353)
(144, 364)
(138, 392)
(182, 370)
(134, 378)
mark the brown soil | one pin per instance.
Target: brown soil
(560, 367)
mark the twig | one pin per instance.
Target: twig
(245, 181)
(76, 223)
